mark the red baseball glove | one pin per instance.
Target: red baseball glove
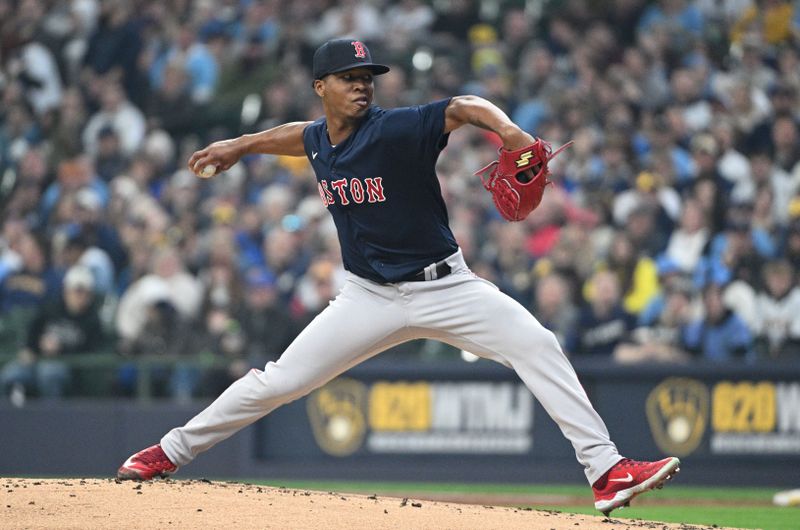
(519, 177)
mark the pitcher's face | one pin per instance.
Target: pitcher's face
(347, 93)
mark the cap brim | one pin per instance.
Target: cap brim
(376, 69)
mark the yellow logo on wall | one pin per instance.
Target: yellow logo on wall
(338, 417)
(677, 410)
(400, 406)
(744, 407)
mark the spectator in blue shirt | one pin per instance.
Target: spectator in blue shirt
(721, 335)
(198, 61)
(31, 283)
(678, 17)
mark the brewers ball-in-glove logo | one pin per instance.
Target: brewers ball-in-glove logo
(337, 415)
(677, 410)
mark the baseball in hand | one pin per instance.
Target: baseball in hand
(209, 171)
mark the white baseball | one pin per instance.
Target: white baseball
(209, 171)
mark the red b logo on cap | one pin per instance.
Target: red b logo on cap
(361, 50)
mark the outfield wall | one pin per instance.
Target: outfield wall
(396, 420)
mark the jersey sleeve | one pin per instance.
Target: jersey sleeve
(421, 126)
(433, 122)
(311, 136)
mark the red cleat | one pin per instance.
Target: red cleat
(146, 465)
(628, 478)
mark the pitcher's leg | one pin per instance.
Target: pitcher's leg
(353, 328)
(482, 320)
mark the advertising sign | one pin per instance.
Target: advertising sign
(457, 417)
(737, 417)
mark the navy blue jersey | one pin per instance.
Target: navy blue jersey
(381, 188)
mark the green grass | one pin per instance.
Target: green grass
(766, 517)
(731, 507)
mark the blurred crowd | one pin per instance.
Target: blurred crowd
(671, 231)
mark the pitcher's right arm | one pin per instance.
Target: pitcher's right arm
(286, 139)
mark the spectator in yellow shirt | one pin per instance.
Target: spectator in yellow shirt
(769, 19)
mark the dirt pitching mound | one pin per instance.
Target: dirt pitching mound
(107, 503)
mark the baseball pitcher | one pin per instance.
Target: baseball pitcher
(406, 277)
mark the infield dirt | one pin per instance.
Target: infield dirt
(107, 503)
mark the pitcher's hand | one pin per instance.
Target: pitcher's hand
(221, 155)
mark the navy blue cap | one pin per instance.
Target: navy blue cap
(339, 55)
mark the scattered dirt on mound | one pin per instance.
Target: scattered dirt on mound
(108, 503)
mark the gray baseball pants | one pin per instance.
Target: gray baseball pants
(366, 318)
